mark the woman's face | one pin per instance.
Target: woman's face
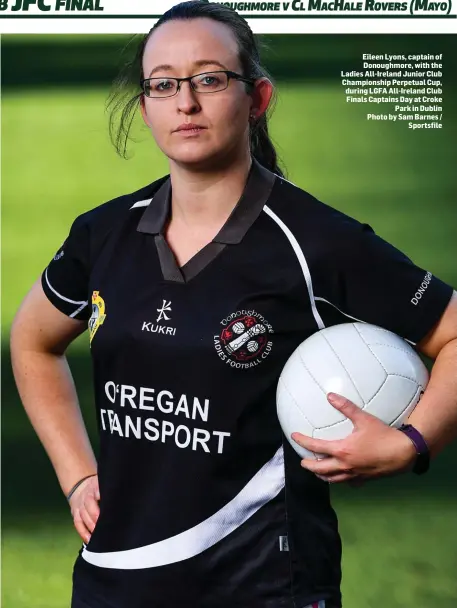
(185, 48)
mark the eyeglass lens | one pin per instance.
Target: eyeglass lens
(209, 82)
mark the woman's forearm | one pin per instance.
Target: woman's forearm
(49, 397)
(435, 416)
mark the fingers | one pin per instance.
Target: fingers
(328, 469)
(346, 407)
(318, 446)
(353, 480)
(92, 508)
(87, 516)
(85, 509)
(336, 478)
(81, 527)
(325, 466)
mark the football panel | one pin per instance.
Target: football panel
(363, 369)
(292, 419)
(336, 431)
(375, 335)
(324, 366)
(372, 334)
(422, 375)
(393, 398)
(402, 418)
(307, 393)
(399, 361)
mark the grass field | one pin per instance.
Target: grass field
(399, 535)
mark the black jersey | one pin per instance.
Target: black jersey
(203, 501)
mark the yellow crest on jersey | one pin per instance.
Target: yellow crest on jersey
(98, 314)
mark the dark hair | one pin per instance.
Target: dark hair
(122, 105)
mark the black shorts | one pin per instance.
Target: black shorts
(79, 600)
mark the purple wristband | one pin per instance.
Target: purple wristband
(423, 453)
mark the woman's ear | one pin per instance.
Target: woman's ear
(261, 96)
(144, 112)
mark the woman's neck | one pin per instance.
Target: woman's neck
(206, 199)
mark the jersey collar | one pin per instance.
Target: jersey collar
(257, 190)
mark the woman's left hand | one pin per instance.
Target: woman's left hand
(373, 449)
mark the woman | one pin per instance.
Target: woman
(196, 290)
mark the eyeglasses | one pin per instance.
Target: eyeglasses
(207, 82)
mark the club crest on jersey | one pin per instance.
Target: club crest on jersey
(98, 314)
(245, 339)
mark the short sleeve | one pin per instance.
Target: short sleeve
(372, 281)
(65, 280)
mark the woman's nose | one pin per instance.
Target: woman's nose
(187, 98)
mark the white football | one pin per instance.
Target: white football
(376, 369)
(238, 327)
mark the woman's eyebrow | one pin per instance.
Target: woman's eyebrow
(200, 63)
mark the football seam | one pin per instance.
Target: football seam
(325, 395)
(328, 426)
(309, 372)
(295, 403)
(380, 363)
(373, 353)
(344, 367)
(402, 350)
(409, 405)
(373, 327)
(380, 329)
(379, 388)
(406, 377)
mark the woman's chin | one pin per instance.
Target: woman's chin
(196, 158)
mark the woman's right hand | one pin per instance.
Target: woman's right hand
(84, 507)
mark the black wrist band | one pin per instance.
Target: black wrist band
(423, 453)
(71, 492)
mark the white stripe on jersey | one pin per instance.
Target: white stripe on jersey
(338, 309)
(83, 303)
(263, 487)
(73, 314)
(354, 318)
(141, 203)
(302, 261)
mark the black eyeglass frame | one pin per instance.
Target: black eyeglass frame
(229, 73)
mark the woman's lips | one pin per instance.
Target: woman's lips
(188, 131)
